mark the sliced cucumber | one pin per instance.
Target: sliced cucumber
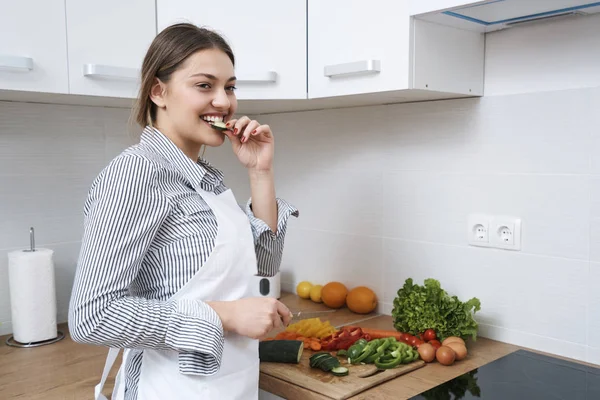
(329, 364)
(219, 125)
(315, 361)
(339, 371)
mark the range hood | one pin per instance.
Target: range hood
(493, 15)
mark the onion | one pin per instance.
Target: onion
(460, 350)
(445, 355)
(427, 352)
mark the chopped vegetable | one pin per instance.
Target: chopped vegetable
(418, 308)
(219, 125)
(377, 333)
(343, 339)
(327, 363)
(340, 371)
(384, 353)
(312, 327)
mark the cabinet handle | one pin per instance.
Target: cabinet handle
(13, 62)
(107, 71)
(353, 68)
(258, 77)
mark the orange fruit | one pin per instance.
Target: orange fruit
(334, 294)
(303, 289)
(361, 300)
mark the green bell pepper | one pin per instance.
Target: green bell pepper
(395, 360)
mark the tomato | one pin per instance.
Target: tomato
(435, 343)
(407, 338)
(429, 335)
(417, 342)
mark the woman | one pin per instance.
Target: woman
(167, 255)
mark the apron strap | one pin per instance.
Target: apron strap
(110, 360)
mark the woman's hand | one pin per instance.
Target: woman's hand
(252, 317)
(252, 143)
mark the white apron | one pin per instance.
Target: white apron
(227, 275)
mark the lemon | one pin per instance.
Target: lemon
(303, 289)
(315, 293)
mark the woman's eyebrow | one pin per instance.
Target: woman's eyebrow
(210, 76)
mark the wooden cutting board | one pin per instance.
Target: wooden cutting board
(334, 387)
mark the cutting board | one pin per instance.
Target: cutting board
(334, 387)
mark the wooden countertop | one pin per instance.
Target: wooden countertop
(69, 371)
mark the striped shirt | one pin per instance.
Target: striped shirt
(146, 233)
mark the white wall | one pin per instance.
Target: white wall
(49, 155)
(384, 192)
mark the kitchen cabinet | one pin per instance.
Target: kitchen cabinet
(390, 54)
(268, 38)
(425, 6)
(33, 49)
(107, 42)
(493, 15)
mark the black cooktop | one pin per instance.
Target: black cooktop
(522, 375)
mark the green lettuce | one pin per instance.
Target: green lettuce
(418, 308)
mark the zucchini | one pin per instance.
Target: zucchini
(281, 351)
(340, 371)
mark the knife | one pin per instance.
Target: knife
(309, 314)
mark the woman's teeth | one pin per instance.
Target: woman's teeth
(212, 118)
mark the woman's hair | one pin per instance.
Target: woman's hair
(169, 49)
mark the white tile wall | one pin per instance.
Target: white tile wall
(49, 154)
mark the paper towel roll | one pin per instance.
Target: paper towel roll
(32, 295)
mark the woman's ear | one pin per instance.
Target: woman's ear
(158, 92)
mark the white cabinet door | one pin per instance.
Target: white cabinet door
(33, 47)
(107, 43)
(268, 38)
(357, 46)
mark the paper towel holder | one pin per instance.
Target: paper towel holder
(31, 240)
(11, 340)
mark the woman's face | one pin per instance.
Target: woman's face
(201, 90)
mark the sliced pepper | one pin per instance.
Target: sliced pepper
(395, 361)
(355, 350)
(366, 352)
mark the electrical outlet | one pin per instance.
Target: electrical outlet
(505, 233)
(478, 230)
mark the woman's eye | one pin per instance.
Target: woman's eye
(203, 85)
(231, 88)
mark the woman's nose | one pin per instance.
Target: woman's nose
(221, 100)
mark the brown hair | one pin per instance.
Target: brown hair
(169, 49)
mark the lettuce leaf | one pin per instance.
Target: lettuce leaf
(418, 308)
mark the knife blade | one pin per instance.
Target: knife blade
(309, 314)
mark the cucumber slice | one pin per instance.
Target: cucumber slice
(340, 371)
(316, 361)
(219, 126)
(329, 364)
(324, 361)
(282, 351)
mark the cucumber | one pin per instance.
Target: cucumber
(281, 351)
(315, 361)
(340, 371)
(219, 125)
(328, 364)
